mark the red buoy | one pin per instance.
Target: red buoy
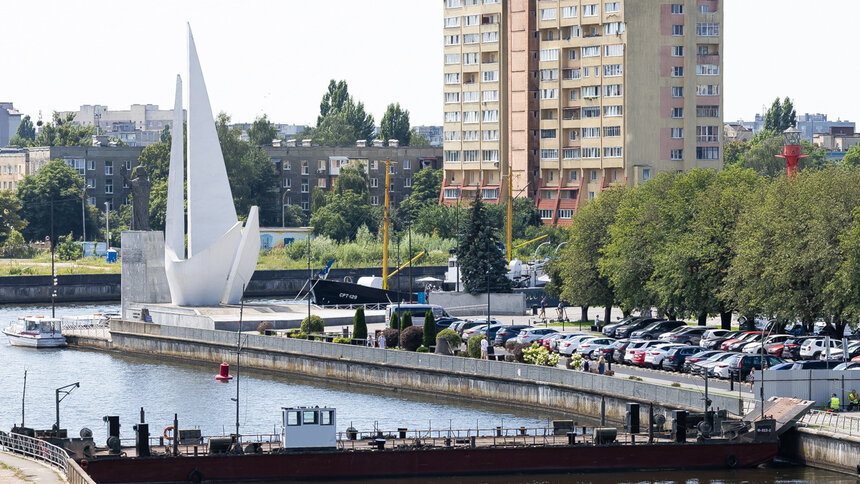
(224, 375)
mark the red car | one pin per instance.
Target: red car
(745, 336)
(639, 357)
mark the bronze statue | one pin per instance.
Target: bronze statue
(140, 187)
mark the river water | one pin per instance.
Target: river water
(112, 384)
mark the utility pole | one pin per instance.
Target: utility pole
(385, 214)
(509, 229)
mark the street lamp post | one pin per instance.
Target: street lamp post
(107, 226)
(283, 209)
(791, 151)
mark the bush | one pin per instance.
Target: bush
(517, 351)
(406, 322)
(429, 329)
(299, 335)
(422, 349)
(453, 338)
(262, 327)
(67, 249)
(410, 338)
(575, 362)
(317, 325)
(394, 323)
(509, 345)
(474, 346)
(538, 355)
(15, 245)
(359, 326)
(392, 337)
(344, 341)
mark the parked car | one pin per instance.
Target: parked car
(848, 365)
(755, 347)
(568, 346)
(508, 332)
(608, 351)
(676, 357)
(585, 348)
(706, 366)
(721, 369)
(549, 341)
(688, 335)
(620, 350)
(741, 367)
(655, 329)
(693, 359)
(789, 349)
(566, 336)
(782, 366)
(625, 330)
(814, 365)
(654, 355)
(664, 337)
(528, 336)
(744, 336)
(853, 350)
(446, 322)
(737, 345)
(710, 335)
(482, 331)
(637, 354)
(814, 349)
(609, 329)
(474, 324)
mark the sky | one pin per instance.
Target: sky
(276, 57)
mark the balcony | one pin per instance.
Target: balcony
(708, 59)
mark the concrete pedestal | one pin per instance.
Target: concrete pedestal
(143, 276)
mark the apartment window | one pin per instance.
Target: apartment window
(407, 164)
(491, 115)
(470, 155)
(611, 131)
(374, 200)
(571, 53)
(704, 9)
(708, 70)
(452, 78)
(615, 50)
(703, 50)
(91, 182)
(707, 134)
(612, 152)
(305, 205)
(677, 30)
(470, 20)
(707, 152)
(613, 28)
(548, 154)
(452, 59)
(288, 165)
(677, 91)
(568, 12)
(545, 214)
(109, 186)
(707, 111)
(678, 71)
(708, 90)
(548, 94)
(452, 97)
(549, 74)
(613, 90)
(611, 111)
(490, 193)
(91, 200)
(571, 154)
(470, 58)
(677, 8)
(549, 55)
(471, 38)
(490, 76)
(407, 183)
(108, 168)
(646, 174)
(490, 155)
(592, 175)
(451, 155)
(677, 112)
(611, 7)
(321, 183)
(677, 51)
(472, 3)
(676, 133)
(374, 165)
(590, 152)
(470, 135)
(453, 3)
(490, 135)
(490, 96)
(591, 112)
(452, 40)
(470, 96)
(547, 14)
(288, 183)
(676, 154)
(452, 22)
(91, 165)
(708, 29)
(573, 175)
(590, 133)
(450, 117)
(591, 51)
(490, 36)
(451, 193)
(547, 133)
(374, 182)
(305, 185)
(589, 10)
(612, 70)
(571, 74)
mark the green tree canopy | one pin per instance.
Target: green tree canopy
(780, 116)
(63, 132)
(338, 112)
(26, 133)
(395, 125)
(416, 139)
(55, 181)
(10, 220)
(262, 132)
(426, 185)
(480, 255)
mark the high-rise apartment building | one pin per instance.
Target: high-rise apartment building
(576, 95)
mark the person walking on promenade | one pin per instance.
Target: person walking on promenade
(382, 340)
(370, 340)
(601, 365)
(561, 315)
(485, 345)
(543, 307)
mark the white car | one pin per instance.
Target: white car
(654, 356)
(756, 346)
(814, 349)
(569, 346)
(837, 353)
(529, 336)
(638, 345)
(721, 369)
(586, 347)
(668, 334)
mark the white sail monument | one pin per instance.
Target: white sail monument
(221, 254)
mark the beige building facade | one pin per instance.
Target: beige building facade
(591, 94)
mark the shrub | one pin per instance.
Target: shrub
(410, 338)
(575, 362)
(394, 323)
(344, 341)
(406, 322)
(67, 249)
(509, 345)
(299, 335)
(262, 327)
(15, 245)
(392, 337)
(517, 351)
(474, 346)
(317, 325)
(429, 329)
(453, 338)
(538, 355)
(422, 349)
(359, 326)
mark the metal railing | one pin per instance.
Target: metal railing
(97, 325)
(832, 422)
(35, 449)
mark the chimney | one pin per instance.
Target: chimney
(291, 143)
(393, 143)
(377, 143)
(276, 143)
(306, 143)
(100, 140)
(361, 143)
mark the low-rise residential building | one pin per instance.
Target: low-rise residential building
(140, 125)
(840, 138)
(736, 132)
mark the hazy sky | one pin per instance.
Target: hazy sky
(276, 57)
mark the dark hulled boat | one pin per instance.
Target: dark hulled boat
(326, 293)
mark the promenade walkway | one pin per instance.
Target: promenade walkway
(14, 469)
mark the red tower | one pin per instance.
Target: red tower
(791, 150)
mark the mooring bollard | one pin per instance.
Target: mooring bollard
(571, 439)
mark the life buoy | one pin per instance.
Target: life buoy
(169, 428)
(195, 476)
(84, 464)
(732, 461)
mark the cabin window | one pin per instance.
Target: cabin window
(327, 417)
(309, 417)
(293, 418)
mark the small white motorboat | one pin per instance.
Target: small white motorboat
(36, 332)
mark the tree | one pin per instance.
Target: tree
(416, 139)
(164, 137)
(480, 258)
(14, 245)
(67, 249)
(405, 321)
(345, 208)
(429, 329)
(55, 181)
(294, 216)
(426, 185)
(63, 132)
(789, 115)
(335, 130)
(734, 151)
(579, 261)
(395, 125)
(262, 132)
(438, 220)
(852, 157)
(10, 221)
(394, 322)
(359, 325)
(761, 156)
(338, 113)
(780, 116)
(26, 133)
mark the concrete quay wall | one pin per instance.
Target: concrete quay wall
(557, 389)
(819, 448)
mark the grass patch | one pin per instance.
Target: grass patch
(17, 473)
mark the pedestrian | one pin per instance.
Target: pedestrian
(834, 403)
(370, 340)
(543, 307)
(585, 366)
(853, 401)
(597, 320)
(382, 340)
(561, 315)
(485, 345)
(601, 365)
